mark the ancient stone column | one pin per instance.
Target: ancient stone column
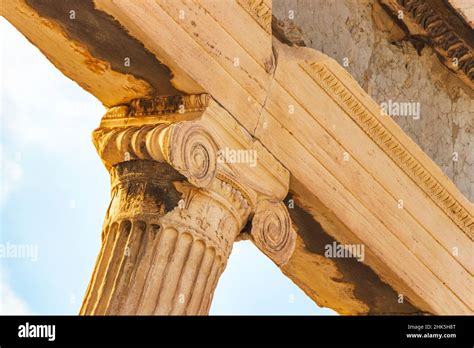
(175, 210)
(163, 250)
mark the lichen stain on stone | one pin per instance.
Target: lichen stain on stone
(95, 65)
(106, 40)
(367, 287)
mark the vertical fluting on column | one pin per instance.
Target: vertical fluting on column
(163, 250)
(141, 193)
(195, 243)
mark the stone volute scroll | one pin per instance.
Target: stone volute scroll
(185, 146)
(272, 231)
(178, 205)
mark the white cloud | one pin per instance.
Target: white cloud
(11, 174)
(10, 302)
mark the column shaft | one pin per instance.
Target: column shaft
(162, 253)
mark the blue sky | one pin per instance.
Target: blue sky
(55, 191)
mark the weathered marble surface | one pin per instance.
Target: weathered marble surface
(389, 67)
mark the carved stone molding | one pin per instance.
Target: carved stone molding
(365, 118)
(176, 210)
(160, 105)
(168, 104)
(272, 232)
(442, 28)
(260, 11)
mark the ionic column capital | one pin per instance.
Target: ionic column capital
(230, 172)
(215, 215)
(191, 133)
(185, 145)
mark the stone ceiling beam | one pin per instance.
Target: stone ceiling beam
(373, 179)
(356, 178)
(91, 48)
